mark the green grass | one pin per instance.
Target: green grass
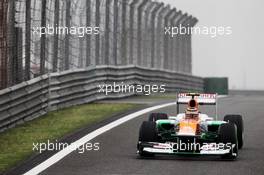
(16, 144)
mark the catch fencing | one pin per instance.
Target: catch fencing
(131, 32)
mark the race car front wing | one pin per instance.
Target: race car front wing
(170, 148)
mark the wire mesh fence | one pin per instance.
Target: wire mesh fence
(43, 36)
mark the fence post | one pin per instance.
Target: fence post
(140, 31)
(166, 49)
(174, 42)
(135, 30)
(11, 42)
(184, 48)
(88, 37)
(56, 35)
(97, 37)
(132, 31)
(27, 39)
(160, 37)
(3, 43)
(67, 36)
(124, 35)
(43, 38)
(102, 22)
(147, 34)
(107, 33)
(154, 34)
(129, 32)
(115, 21)
(179, 61)
(18, 54)
(119, 7)
(81, 46)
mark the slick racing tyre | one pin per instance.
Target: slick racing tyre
(147, 133)
(238, 121)
(227, 134)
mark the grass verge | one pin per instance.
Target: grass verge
(16, 144)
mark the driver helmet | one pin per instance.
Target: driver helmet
(192, 111)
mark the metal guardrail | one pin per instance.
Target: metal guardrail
(54, 91)
(23, 102)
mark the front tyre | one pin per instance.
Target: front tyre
(238, 121)
(227, 134)
(147, 133)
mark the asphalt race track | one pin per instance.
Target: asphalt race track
(117, 154)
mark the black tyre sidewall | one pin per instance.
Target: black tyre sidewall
(227, 133)
(238, 121)
(147, 133)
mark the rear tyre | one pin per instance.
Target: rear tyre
(238, 121)
(227, 134)
(147, 133)
(157, 116)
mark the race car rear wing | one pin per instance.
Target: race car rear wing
(202, 99)
(209, 99)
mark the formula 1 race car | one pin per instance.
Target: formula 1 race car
(191, 132)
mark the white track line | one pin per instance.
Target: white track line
(61, 154)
